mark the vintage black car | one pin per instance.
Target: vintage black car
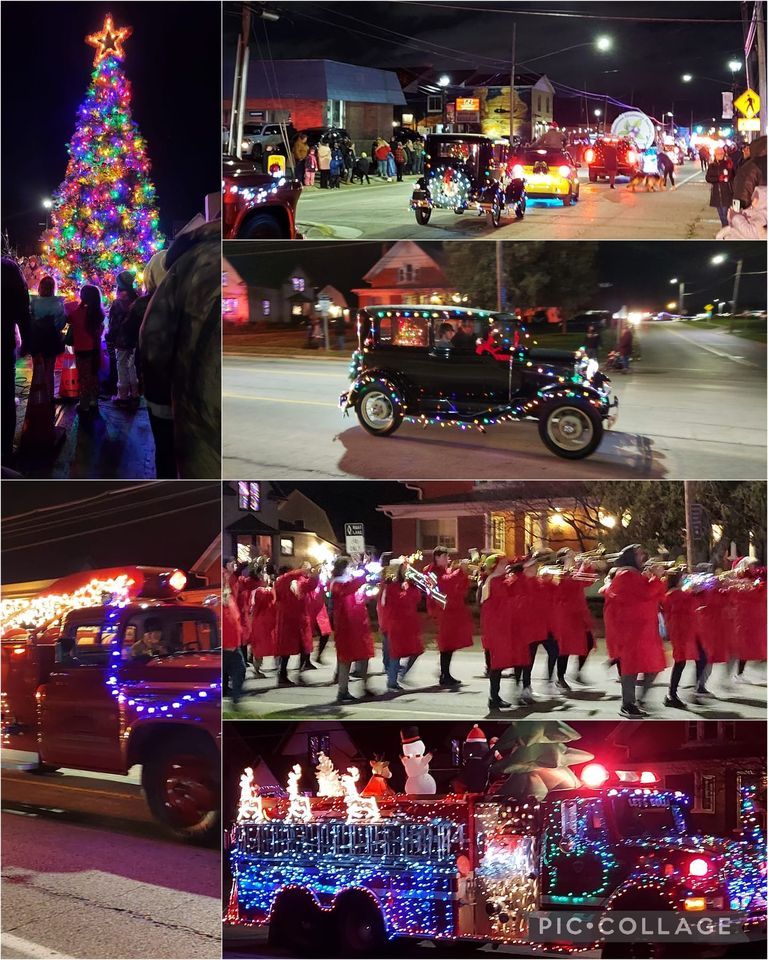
(473, 368)
(467, 171)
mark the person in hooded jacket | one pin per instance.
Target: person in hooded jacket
(123, 338)
(180, 345)
(324, 155)
(15, 316)
(720, 176)
(633, 599)
(47, 321)
(86, 322)
(751, 173)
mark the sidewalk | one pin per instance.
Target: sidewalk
(116, 444)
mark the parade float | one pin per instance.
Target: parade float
(519, 833)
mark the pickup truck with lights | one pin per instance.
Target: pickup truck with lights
(115, 669)
(470, 868)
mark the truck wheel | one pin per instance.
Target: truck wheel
(181, 783)
(520, 209)
(296, 923)
(379, 409)
(262, 226)
(568, 199)
(422, 215)
(570, 429)
(494, 214)
(359, 926)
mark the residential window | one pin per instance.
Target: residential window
(440, 532)
(298, 284)
(266, 307)
(704, 794)
(249, 495)
(407, 273)
(228, 306)
(434, 104)
(286, 546)
(244, 546)
(498, 532)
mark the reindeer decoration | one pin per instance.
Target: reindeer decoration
(251, 805)
(299, 809)
(359, 809)
(328, 783)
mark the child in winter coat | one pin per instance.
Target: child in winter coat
(47, 320)
(124, 339)
(310, 168)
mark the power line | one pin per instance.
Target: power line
(476, 8)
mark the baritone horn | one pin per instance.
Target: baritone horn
(427, 583)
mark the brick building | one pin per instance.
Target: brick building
(510, 517)
(322, 93)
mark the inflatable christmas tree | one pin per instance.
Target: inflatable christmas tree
(535, 758)
(104, 217)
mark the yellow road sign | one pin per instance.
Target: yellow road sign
(748, 104)
(751, 123)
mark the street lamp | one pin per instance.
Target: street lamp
(687, 77)
(443, 81)
(680, 293)
(47, 205)
(721, 258)
(734, 66)
(604, 43)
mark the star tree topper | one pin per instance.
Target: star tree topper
(109, 43)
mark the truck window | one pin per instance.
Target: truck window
(88, 646)
(189, 635)
(648, 815)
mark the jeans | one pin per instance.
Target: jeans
(722, 212)
(127, 379)
(381, 166)
(234, 672)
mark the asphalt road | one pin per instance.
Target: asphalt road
(86, 873)
(380, 211)
(600, 699)
(694, 405)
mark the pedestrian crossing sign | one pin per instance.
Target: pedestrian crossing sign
(748, 104)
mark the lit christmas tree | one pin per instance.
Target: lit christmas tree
(104, 218)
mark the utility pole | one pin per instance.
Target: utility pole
(681, 297)
(240, 86)
(735, 297)
(501, 292)
(689, 549)
(512, 83)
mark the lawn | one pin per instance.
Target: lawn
(750, 328)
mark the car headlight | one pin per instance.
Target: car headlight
(564, 171)
(244, 145)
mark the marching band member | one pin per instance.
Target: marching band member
(399, 617)
(351, 626)
(679, 608)
(455, 623)
(233, 665)
(293, 631)
(263, 619)
(495, 618)
(320, 624)
(574, 627)
(537, 626)
(748, 614)
(632, 600)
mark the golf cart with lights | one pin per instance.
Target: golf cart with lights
(473, 369)
(468, 171)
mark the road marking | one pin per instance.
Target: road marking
(305, 403)
(681, 183)
(717, 353)
(295, 373)
(33, 950)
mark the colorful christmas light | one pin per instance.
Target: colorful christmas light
(104, 216)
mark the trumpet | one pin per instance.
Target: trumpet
(427, 583)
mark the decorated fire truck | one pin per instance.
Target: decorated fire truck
(116, 668)
(354, 868)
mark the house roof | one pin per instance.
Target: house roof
(248, 524)
(323, 80)
(496, 497)
(420, 79)
(386, 270)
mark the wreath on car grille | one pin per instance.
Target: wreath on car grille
(449, 187)
(541, 166)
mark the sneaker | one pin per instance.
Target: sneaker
(580, 681)
(704, 694)
(527, 696)
(395, 687)
(285, 682)
(355, 676)
(563, 685)
(259, 675)
(498, 704)
(308, 666)
(739, 678)
(449, 681)
(631, 711)
(346, 698)
(675, 702)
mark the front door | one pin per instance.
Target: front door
(79, 714)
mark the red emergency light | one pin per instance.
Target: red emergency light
(699, 867)
(594, 775)
(589, 155)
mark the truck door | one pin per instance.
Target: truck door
(79, 717)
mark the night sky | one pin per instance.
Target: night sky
(167, 523)
(173, 63)
(638, 271)
(653, 43)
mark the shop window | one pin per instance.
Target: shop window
(249, 495)
(498, 532)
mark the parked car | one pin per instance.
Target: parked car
(628, 157)
(549, 174)
(406, 370)
(466, 171)
(260, 139)
(257, 206)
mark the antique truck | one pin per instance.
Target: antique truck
(477, 869)
(114, 670)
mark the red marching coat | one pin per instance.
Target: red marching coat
(293, 631)
(351, 627)
(679, 608)
(230, 625)
(538, 595)
(496, 619)
(749, 613)
(318, 614)
(263, 623)
(572, 616)
(400, 606)
(242, 594)
(713, 626)
(455, 623)
(632, 604)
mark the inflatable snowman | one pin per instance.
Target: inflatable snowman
(416, 763)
